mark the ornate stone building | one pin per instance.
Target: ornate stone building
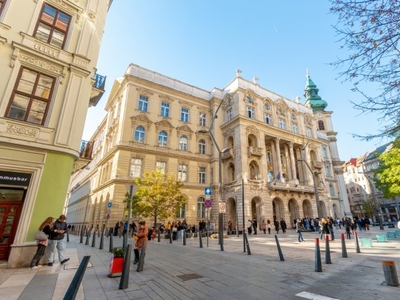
(276, 152)
(48, 57)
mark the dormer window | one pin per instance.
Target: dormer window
(249, 99)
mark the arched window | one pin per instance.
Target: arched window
(331, 190)
(183, 143)
(140, 134)
(253, 168)
(321, 125)
(162, 139)
(181, 212)
(202, 147)
(231, 172)
(201, 211)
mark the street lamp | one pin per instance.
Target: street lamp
(129, 212)
(220, 220)
(314, 174)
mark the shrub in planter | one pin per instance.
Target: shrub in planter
(118, 252)
(116, 262)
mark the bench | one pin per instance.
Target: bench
(381, 238)
(397, 232)
(391, 235)
(366, 242)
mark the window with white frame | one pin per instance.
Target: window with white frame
(136, 168)
(185, 114)
(331, 190)
(182, 172)
(268, 119)
(202, 175)
(324, 152)
(202, 119)
(183, 143)
(328, 172)
(140, 134)
(229, 114)
(202, 147)
(162, 138)
(181, 212)
(267, 106)
(164, 109)
(201, 210)
(249, 99)
(282, 123)
(162, 166)
(294, 128)
(250, 112)
(52, 26)
(143, 103)
(308, 132)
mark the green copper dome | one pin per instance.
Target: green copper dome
(313, 100)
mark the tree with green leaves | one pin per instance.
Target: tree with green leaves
(387, 178)
(158, 195)
(370, 31)
(369, 207)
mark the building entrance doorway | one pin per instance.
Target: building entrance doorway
(11, 201)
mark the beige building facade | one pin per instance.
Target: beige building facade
(48, 56)
(277, 156)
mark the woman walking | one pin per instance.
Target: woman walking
(41, 244)
(141, 241)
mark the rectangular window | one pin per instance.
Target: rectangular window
(229, 114)
(31, 97)
(165, 109)
(202, 175)
(136, 168)
(143, 103)
(201, 211)
(202, 119)
(52, 26)
(308, 132)
(294, 128)
(250, 112)
(282, 124)
(181, 212)
(2, 4)
(185, 115)
(267, 119)
(182, 173)
(162, 165)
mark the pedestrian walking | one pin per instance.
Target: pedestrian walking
(56, 240)
(298, 230)
(263, 226)
(141, 240)
(283, 225)
(276, 224)
(42, 244)
(269, 226)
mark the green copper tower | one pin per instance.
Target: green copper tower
(313, 100)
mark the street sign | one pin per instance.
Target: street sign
(222, 207)
(208, 203)
(109, 205)
(207, 191)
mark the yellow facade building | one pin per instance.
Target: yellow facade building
(278, 157)
(48, 56)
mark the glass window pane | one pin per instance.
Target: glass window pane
(19, 107)
(48, 14)
(7, 229)
(27, 81)
(62, 21)
(37, 111)
(57, 39)
(43, 32)
(44, 86)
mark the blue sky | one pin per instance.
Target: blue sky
(202, 43)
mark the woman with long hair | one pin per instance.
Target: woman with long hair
(41, 244)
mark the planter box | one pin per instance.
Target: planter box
(116, 266)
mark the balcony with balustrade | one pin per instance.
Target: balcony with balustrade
(97, 89)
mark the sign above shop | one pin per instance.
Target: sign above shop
(14, 178)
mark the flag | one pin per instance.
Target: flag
(278, 177)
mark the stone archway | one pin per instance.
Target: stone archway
(278, 209)
(294, 212)
(231, 213)
(307, 209)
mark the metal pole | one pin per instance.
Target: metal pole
(208, 223)
(377, 210)
(243, 233)
(237, 215)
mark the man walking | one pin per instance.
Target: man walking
(56, 240)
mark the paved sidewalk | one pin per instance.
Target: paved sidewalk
(174, 271)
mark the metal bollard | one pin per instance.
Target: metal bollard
(67, 236)
(327, 251)
(87, 238)
(81, 237)
(76, 281)
(344, 251)
(200, 239)
(247, 244)
(318, 265)
(158, 235)
(279, 249)
(389, 270)
(101, 240)
(184, 237)
(357, 244)
(111, 243)
(123, 284)
(94, 240)
(170, 236)
(141, 259)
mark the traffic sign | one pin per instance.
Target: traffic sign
(222, 207)
(207, 191)
(109, 205)
(208, 203)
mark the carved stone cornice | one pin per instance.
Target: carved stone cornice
(164, 124)
(20, 130)
(141, 119)
(144, 92)
(253, 130)
(184, 129)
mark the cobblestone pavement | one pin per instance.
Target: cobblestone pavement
(175, 271)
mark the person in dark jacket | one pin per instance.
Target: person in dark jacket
(41, 244)
(56, 240)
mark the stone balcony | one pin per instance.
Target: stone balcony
(255, 151)
(229, 154)
(316, 164)
(292, 187)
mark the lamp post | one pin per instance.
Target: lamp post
(220, 215)
(129, 212)
(315, 187)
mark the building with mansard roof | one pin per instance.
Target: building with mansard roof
(263, 156)
(48, 57)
